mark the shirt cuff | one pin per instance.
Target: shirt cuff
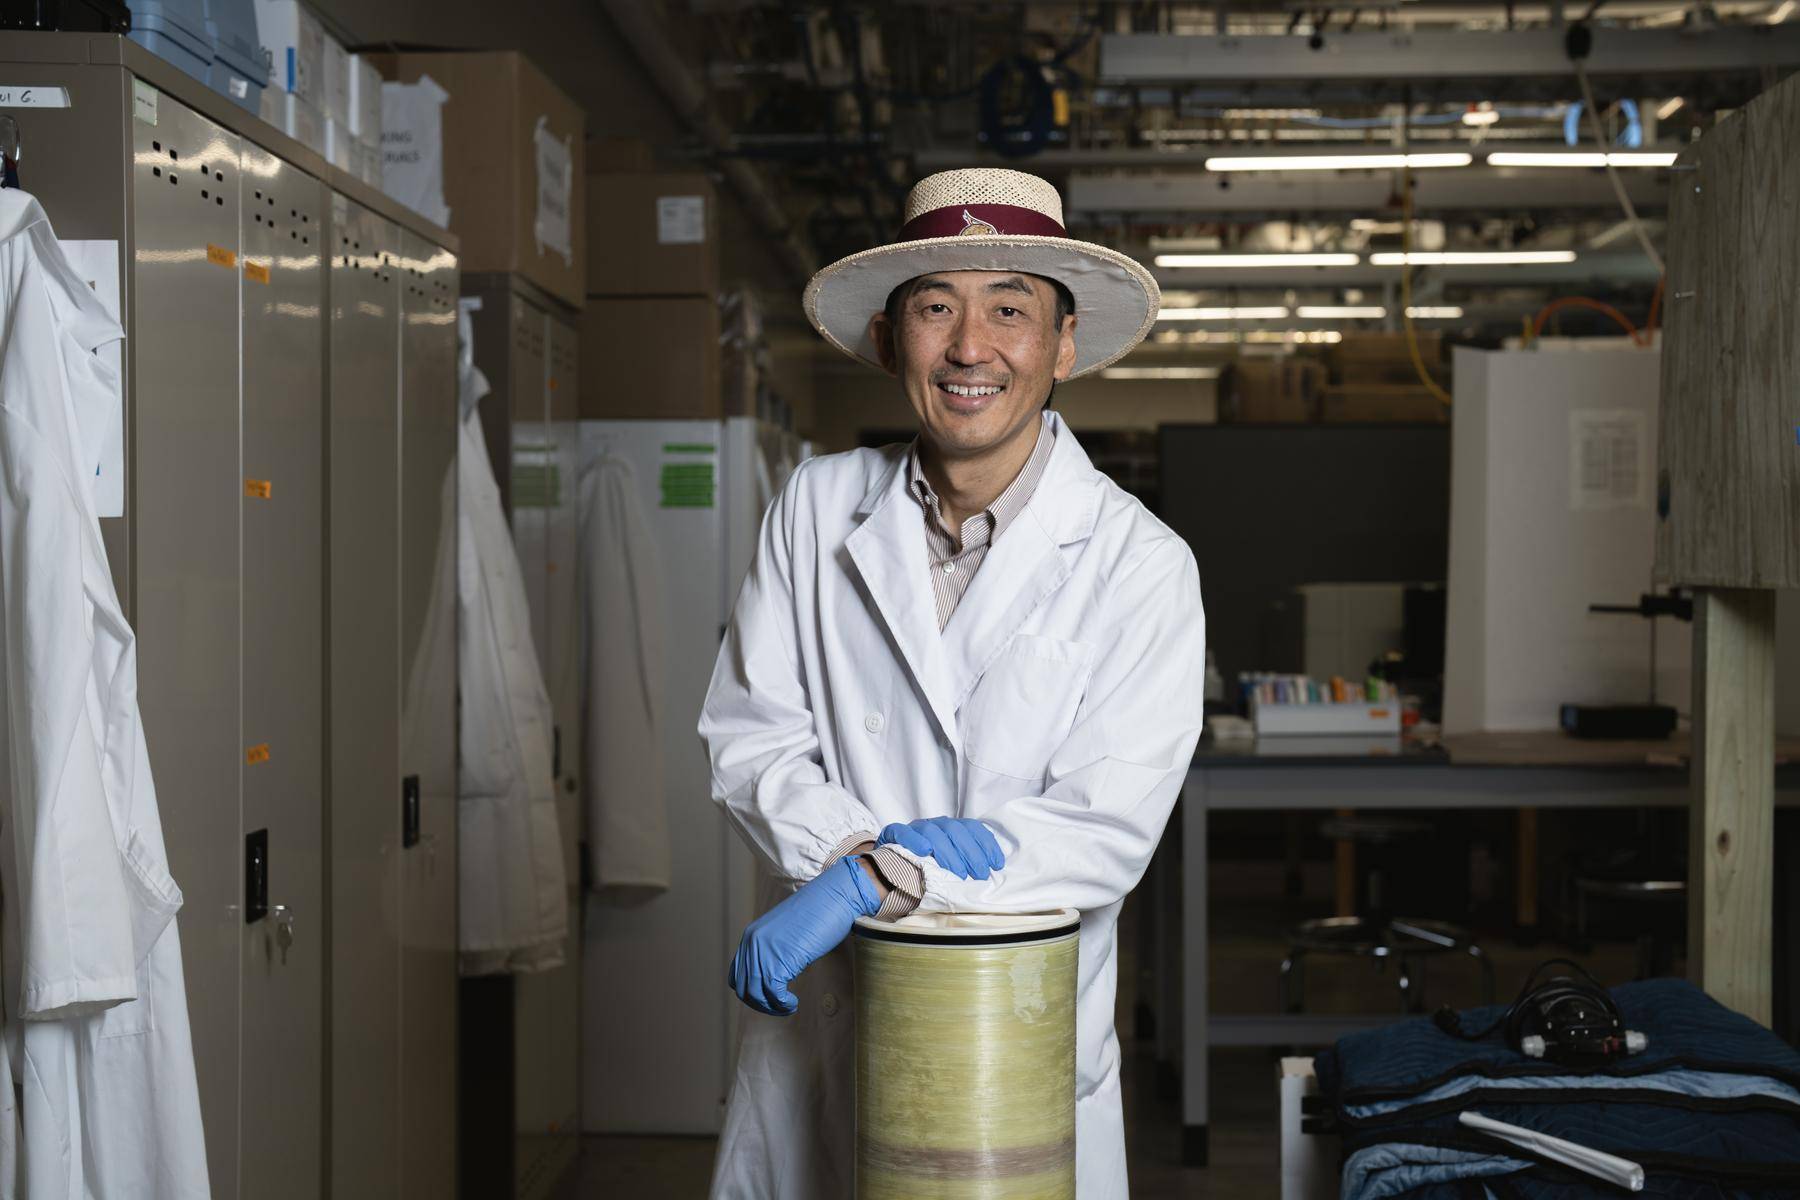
(906, 882)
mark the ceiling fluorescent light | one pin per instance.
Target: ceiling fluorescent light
(1324, 312)
(1256, 260)
(1480, 116)
(1338, 162)
(1469, 258)
(1669, 108)
(1430, 312)
(1783, 13)
(1159, 373)
(1579, 158)
(1267, 313)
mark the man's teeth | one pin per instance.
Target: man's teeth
(957, 389)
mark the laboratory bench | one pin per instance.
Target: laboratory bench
(1525, 772)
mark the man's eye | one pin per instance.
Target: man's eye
(1007, 311)
(936, 308)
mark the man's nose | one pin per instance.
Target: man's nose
(970, 345)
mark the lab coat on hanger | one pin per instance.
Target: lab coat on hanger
(1060, 705)
(514, 905)
(96, 1024)
(622, 642)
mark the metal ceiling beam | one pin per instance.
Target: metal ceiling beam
(1612, 269)
(1188, 195)
(1437, 55)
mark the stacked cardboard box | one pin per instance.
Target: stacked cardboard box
(652, 313)
(1263, 390)
(511, 146)
(294, 101)
(1374, 378)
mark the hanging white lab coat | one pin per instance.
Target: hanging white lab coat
(622, 640)
(514, 906)
(96, 1025)
(1060, 705)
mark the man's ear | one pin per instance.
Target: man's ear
(881, 332)
(1065, 350)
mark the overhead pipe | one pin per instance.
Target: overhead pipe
(686, 93)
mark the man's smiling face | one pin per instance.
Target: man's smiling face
(977, 353)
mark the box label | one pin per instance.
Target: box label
(35, 97)
(681, 220)
(256, 271)
(412, 147)
(219, 256)
(143, 102)
(555, 188)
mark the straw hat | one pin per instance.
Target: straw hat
(988, 219)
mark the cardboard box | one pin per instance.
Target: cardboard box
(650, 357)
(1384, 358)
(619, 154)
(652, 234)
(335, 96)
(365, 100)
(295, 40)
(304, 123)
(365, 163)
(337, 145)
(1383, 402)
(1272, 390)
(513, 164)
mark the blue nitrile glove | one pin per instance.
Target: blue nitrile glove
(790, 937)
(962, 845)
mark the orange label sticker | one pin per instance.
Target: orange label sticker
(1378, 714)
(259, 488)
(257, 754)
(553, 383)
(256, 271)
(219, 256)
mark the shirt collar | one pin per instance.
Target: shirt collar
(1011, 502)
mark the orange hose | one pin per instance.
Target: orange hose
(1655, 308)
(1599, 306)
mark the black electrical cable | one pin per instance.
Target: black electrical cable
(1543, 997)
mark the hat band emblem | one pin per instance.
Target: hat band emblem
(981, 220)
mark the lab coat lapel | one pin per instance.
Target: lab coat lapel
(1025, 565)
(888, 549)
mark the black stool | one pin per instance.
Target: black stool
(1409, 942)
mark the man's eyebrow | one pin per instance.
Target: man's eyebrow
(930, 284)
(1012, 283)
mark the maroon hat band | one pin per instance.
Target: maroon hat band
(970, 220)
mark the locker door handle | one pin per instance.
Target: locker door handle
(409, 811)
(256, 876)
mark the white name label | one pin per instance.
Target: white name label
(33, 96)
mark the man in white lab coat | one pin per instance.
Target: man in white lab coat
(964, 675)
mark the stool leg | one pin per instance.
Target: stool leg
(1406, 985)
(1292, 982)
(1487, 969)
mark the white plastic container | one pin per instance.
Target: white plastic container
(335, 96)
(1359, 717)
(295, 42)
(365, 100)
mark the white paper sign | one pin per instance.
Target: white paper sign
(97, 262)
(555, 188)
(143, 101)
(681, 220)
(1608, 459)
(412, 146)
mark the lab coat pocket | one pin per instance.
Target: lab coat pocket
(1024, 705)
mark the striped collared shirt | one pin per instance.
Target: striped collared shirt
(953, 559)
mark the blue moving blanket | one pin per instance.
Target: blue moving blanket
(1711, 1108)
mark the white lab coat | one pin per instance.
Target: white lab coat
(1060, 705)
(513, 906)
(622, 639)
(96, 1029)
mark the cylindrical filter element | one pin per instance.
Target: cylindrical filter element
(965, 1056)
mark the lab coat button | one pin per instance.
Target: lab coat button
(874, 722)
(828, 1004)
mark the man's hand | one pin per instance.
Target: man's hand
(803, 928)
(962, 845)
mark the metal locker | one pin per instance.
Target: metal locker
(367, 794)
(283, 503)
(562, 658)
(428, 615)
(184, 339)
